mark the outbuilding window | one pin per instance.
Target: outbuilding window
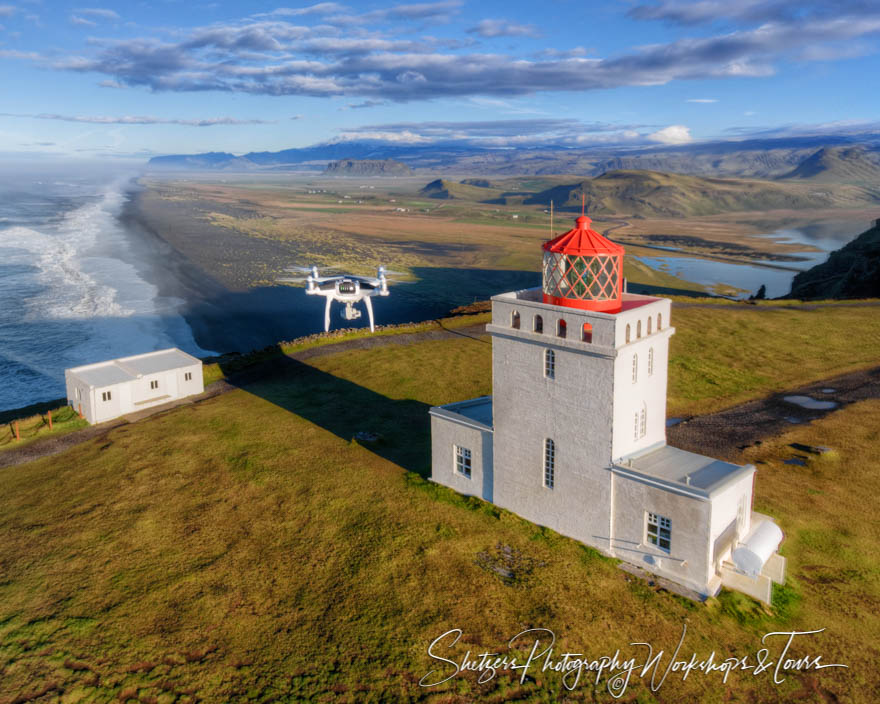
(154, 384)
(549, 364)
(187, 376)
(463, 461)
(549, 463)
(106, 396)
(659, 531)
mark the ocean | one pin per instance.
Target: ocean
(73, 289)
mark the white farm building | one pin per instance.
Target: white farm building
(107, 390)
(574, 435)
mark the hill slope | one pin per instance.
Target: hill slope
(852, 271)
(367, 167)
(445, 189)
(652, 193)
(838, 165)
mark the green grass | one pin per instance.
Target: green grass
(36, 427)
(247, 548)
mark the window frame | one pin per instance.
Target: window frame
(549, 475)
(106, 396)
(463, 461)
(549, 364)
(154, 384)
(661, 533)
(187, 376)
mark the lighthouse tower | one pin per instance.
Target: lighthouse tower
(574, 434)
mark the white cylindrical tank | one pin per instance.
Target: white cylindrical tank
(757, 548)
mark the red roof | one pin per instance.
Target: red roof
(583, 241)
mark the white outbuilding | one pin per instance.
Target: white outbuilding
(107, 390)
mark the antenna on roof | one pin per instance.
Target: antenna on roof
(551, 219)
(583, 204)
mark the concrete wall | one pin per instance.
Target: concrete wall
(573, 409)
(688, 561)
(647, 393)
(445, 435)
(725, 518)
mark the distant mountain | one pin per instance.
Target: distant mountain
(367, 167)
(850, 272)
(651, 193)
(838, 165)
(445, 189)
(754, 158)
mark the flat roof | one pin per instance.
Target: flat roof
(116, 371)
(686, 469)
(535, 295)
(478, 410)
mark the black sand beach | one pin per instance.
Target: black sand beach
(224, 278)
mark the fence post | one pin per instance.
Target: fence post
(80, 410)
(15, 426)
(50, 419)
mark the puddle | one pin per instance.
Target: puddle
(828, 391)
(810, 403)
(794, 420)
(673, 421)
(797, 461)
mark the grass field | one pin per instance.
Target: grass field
(247, 548)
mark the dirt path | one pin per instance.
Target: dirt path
(727, 433)
(60, 443)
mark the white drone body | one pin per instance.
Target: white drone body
(347, 289)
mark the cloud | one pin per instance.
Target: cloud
(499, 133)
(674, 134)
(701, 100)
(503, 28)
(7, 10)
(365, 104)
(322, 8)
(694, 12)
(98, 12)
(82, 21)
(137, 120)
(270, 56)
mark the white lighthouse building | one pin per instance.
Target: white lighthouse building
(574, 434)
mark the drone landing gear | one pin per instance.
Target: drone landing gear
(349, 313)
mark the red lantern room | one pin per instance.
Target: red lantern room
(583, 269)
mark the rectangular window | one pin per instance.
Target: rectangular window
(463, 461)
(636, 428)
(187, 376)
(549, 463)
(550, 364)
(659, 531)
(105, 396)
(154, 384)
(650, 361)
(643, 422)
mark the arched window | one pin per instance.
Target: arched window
(636, 427)
(550, 364)
(587, 334)
(561, 328)
(539, 324)
(650, 361)
(635, 368)
(549, 463)
(627, 332)
(650, 323)
(659, 321)
(639, 330)
(514, 320)
(643, 422)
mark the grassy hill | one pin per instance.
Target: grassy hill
(838, 165)
(446, 189)
(656, 194)
(249, 549)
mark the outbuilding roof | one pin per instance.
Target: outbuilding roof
(116, 371)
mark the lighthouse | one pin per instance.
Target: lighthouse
(574, 434)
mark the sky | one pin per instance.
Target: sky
(137, 79)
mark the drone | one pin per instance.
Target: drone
(345, 288)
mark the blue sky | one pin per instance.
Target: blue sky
(139, 79)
